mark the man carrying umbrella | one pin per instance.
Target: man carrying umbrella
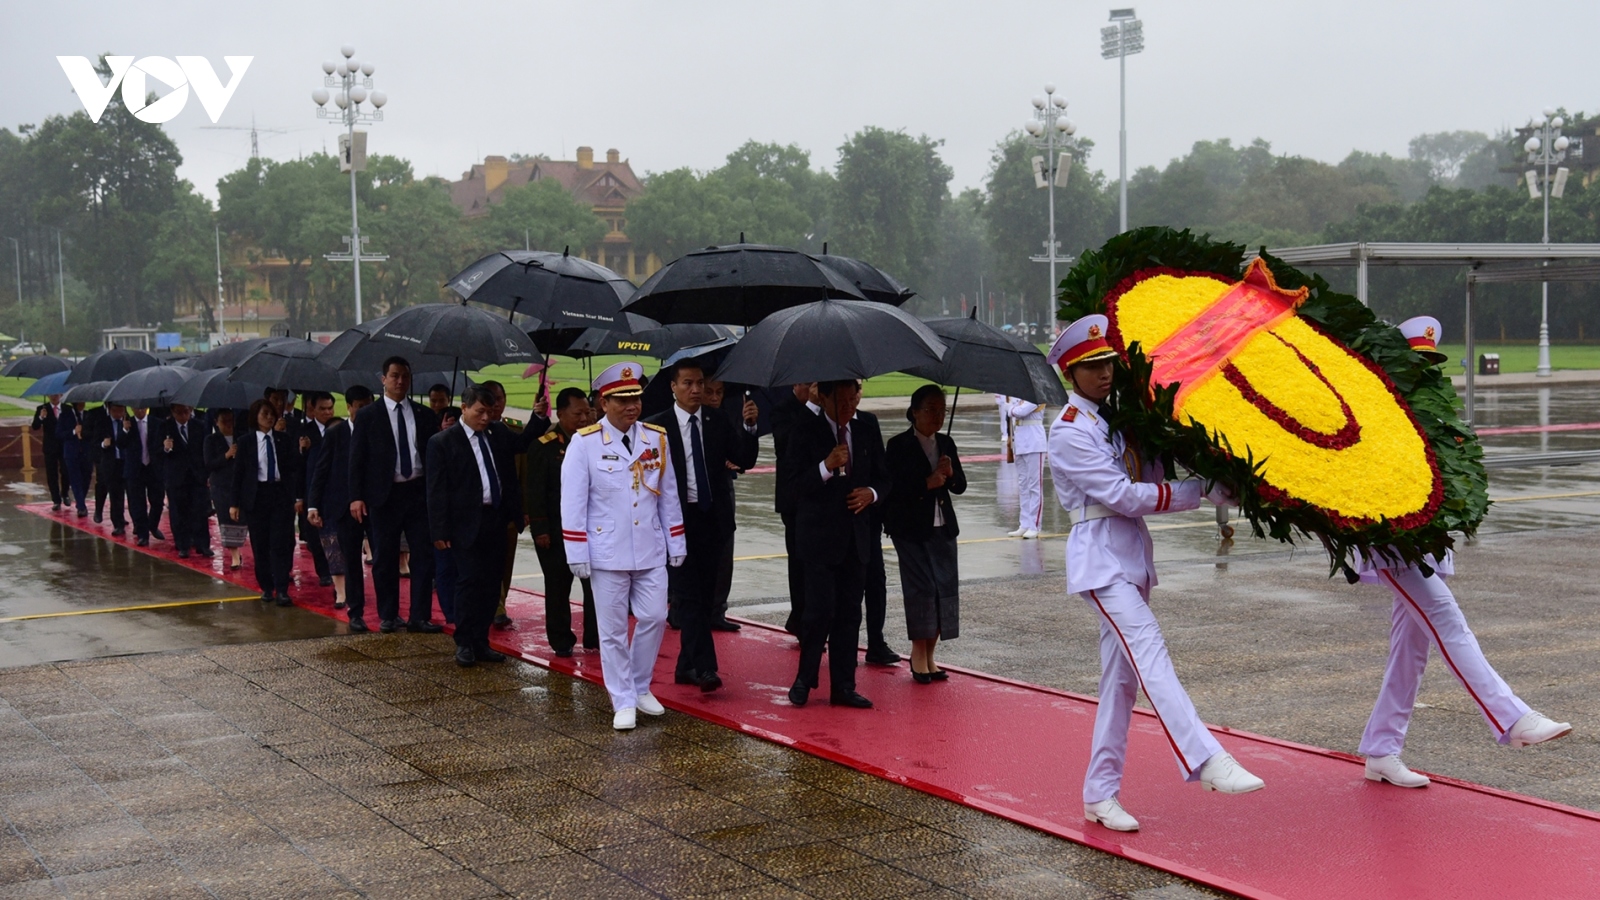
(141, 455)
(113, 467)
(44, 422)
(75, 434)
(622, 527)
(188, 498)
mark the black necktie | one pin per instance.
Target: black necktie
(183, 432)
(488, 466)
(404, 443)
(627, 444)
(702, 481)
(844, 438)
(272, 459)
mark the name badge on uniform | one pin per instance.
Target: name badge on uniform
(611, 456)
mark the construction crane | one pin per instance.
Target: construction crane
(255, 140)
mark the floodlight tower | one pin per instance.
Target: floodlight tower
(351, 82)
(1547, 147)
(1118, 41)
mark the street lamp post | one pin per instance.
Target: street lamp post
(16, 248)
(351, 84)
(1547, 147)
(1119, 41)
(61, 281)
(1049, 123)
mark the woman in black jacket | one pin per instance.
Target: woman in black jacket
(221, 456)
(921, 521)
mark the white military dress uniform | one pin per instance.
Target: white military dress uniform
(620, 518)
(1029, 446)
(1107, 489)
(1425, 614)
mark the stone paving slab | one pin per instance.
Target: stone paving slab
(372, 766)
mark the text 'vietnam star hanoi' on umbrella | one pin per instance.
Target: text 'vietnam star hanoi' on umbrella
(475, 337)
(830, 340)
(560, 290)
(738, 284)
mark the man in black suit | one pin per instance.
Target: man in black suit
(183, 438)
(474, 506)
(792, 411)
(319, 407)
(877, 581)
(111, 471)
(388, 482)
(142, 473)
(837, 472)
(55, 474)
(702, 447)
(94, 423)
(519, 440)
(77, 453)
(328, 489)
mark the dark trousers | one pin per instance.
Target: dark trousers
(144, 501)
(77, 466)
(692, 587)
(719, 597)
(351, 533)
(832, 622)
(271, 523)
(558, 580)
(797, 579)
(405, 512)
(102, 488)
(313, 538)
(109, 483)
(478, 571)
(55, 475)
(877, 592)
(189, 513)
(444, 583)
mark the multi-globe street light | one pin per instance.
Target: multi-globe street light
(1050, 124)
(1118, 41)
(348, 83)
(1547, 147)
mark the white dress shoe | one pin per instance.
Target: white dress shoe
(1110, 814)
(1032, 534)
(649, 705)
(1223, 773)
(624, 720)
(1536, 728)
(1018, 533)
(1391, 769)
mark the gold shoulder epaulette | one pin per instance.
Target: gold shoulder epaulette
(589, 429)
(653, 427)
(549, 436)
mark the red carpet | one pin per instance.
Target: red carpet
(1016, 750)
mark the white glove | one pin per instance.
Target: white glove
(674, 561)
(1219, 495)
(581, 570)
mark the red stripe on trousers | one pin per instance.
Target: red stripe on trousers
(1136, 674)
(1445, 653)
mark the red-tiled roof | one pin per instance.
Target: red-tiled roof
(606, 184)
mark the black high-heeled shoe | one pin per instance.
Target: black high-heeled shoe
(940, 675)
(921, 677)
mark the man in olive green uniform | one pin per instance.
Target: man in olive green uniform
(542, 499)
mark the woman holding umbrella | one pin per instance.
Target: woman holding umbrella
(263, 498)
(921, 520)
(222, 455)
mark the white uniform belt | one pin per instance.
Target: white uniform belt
(1090, 512)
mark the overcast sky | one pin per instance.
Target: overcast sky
(682, 83)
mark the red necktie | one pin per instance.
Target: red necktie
(844, 438)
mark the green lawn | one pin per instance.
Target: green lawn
(1525, 357)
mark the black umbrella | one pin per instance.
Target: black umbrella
(873, 283)
(229, 355)
(35, 366)
(739, 284)
(297, 367)
(830, 340)
(110, 365)
(474, 337)
(93, 392)
(153, 386)
(559, 290)
(984, 358)
(662, 341)
(212, 389)
(356, 351)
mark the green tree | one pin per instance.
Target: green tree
(890, 193)
(810, 189)
(541, 215)
(427, 240)
(1017, 213)
(680, 211)
(183, 258)
(296, 209)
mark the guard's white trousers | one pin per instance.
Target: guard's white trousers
(627, 666)
(1425, 613)
(1133, 655)
(1030, 490)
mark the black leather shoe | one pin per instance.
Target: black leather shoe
(690, 677)
(118, 532)
(922, 677)
(266, 596)
(388, 626)
(851, 699)
(283, 600)
(98, 517)
(564, 654)
(488, 654)
(710, 682)
(155, 534)
(358, 626)
(206, 553)
(724, 625)
(940, 675)
(143, 542)
(424, 627)
(325, 581)
(183, 554)
(882, 656)
(502, 621)
(465, 658)
(799, 693)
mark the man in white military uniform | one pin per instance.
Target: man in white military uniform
(1106, 488)
(1425, 613)
(1028, 446)
(622, 526)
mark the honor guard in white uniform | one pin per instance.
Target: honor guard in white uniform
(1425, 614)
(1006, 478)
(1107, 489)
(1028, 447)
(622, 526)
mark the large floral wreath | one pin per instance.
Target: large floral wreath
(1319, 417)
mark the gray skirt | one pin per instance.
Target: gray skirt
(932, 587)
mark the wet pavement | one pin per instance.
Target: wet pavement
(300, 761)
